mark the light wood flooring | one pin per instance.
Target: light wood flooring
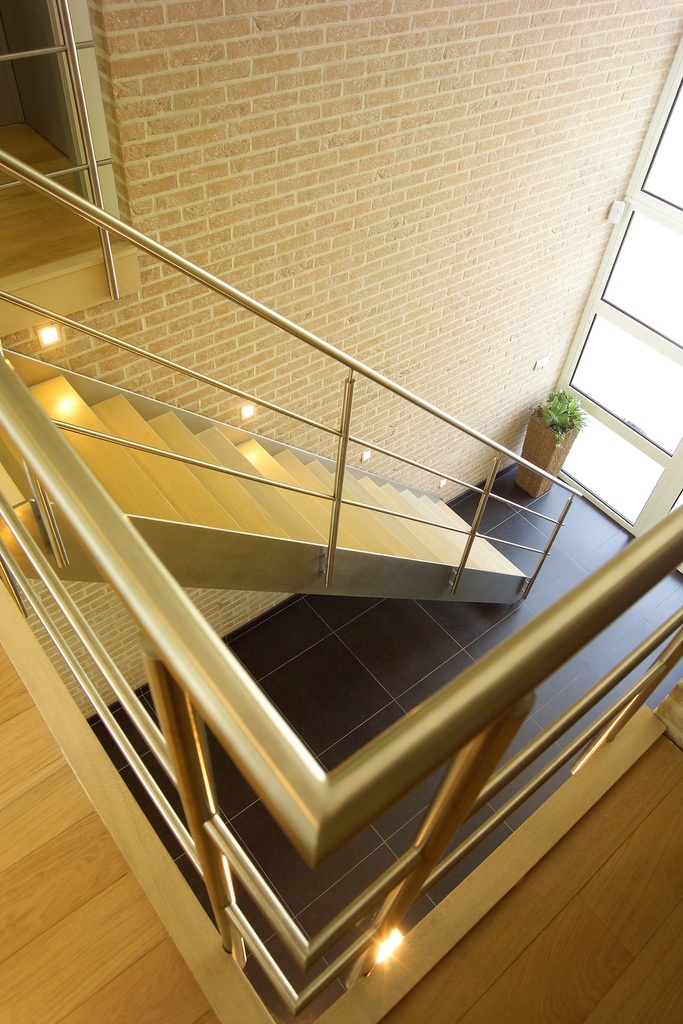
(594, 933)
(79, 942)
(34, 229)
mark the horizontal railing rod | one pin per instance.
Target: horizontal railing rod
(404, 515)
(91, 642)
(447, 476)
(263, 956)
(363, 443)
(528, 754)
(258, 889)
(304, 950)
(169, 364)
(546, 773)
(103, 219)
(63, 172)
(188, 460)
(45, 51)
(82, 677)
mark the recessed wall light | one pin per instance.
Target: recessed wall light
(442, 483)
(366, 455)
(49, 335)
(247, 412)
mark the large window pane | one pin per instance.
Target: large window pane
(646, 279)
(665, 177)
(619, 474)
(632, 381)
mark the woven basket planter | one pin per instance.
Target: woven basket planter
(541, 448)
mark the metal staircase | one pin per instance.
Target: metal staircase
(254, 513)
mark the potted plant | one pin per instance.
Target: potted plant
(552, 429)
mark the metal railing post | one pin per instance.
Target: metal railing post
(7, 577)
(185, 736)
(45, 515)
(451, 806)
(478, 516)
(87, 139)
(342, 449)
(546, 550)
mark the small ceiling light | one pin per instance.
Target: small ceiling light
(247, 412)
(389, 945)
(49, 335)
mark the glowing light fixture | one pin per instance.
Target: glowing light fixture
(49, 335)
(247, 412)
(389, 945)
(66, 405)
(442, 483)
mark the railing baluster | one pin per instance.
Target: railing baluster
(342, 449)
(8, 579)
(87, 139)
(186, 739)
(450, 807)
(47, 517)
(546, 550)
(481, 508)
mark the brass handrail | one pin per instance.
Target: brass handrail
(319, 811)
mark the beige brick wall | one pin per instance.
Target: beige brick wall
(423, 184)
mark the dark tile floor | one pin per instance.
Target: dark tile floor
(341, 670)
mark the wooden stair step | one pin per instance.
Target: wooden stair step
(177, 482)
(484, 554)
(354, 532)
(449, 544)
(246, 513)
(413, 533)
(272, 500)
(314, 510)
(113, 466)
(387, 540)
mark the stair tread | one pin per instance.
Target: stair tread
(274, 502)
(388, 498)
(391, 542)
(354, 531)
(399, 528)
(313, 509)
(484, 554)
(235, 499)
(111, 464)
(176, 481)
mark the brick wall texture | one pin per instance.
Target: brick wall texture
(423, 184)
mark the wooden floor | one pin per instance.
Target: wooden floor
(594, 933)
(35, 230)
(79, 942)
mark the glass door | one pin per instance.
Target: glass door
(627, 359)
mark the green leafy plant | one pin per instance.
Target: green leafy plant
(562, 413)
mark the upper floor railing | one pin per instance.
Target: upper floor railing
(195, 679)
